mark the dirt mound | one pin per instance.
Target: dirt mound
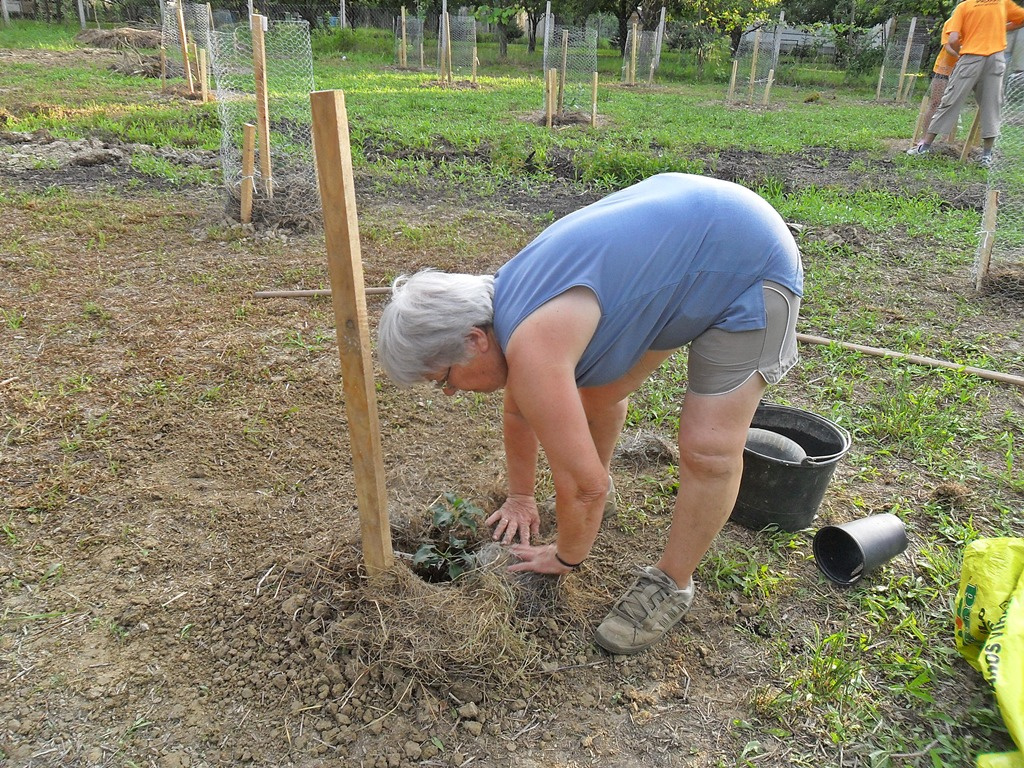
(122, 37)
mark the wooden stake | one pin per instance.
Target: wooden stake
(632, 55)
(920, 128)
(732, 80)
(259, 71)
(753, 66)
(988, 237)
(562, 72)
(203, 76)
(472, 77)
(650, 77)
(402, 48)
(878, 88)
(163, 69)
(549, 101)
(184, 46)
(209, 17)
(341, 229)
(448, 51)
(1006, 378)
(593, 102)
(972, 137)
(768, 88)
(248, 169)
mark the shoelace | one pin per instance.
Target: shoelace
(643, 598)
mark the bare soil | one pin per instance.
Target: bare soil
(180, 566)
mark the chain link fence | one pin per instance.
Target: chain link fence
(409, 42)
(999, 263)
(284, 177)
(456, 39)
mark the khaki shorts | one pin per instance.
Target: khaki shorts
(721, 361)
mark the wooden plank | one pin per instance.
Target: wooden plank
(344, 261)
(768, 88)
(732, 80)
(593, 102)
(259, 73)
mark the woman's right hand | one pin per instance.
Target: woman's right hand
(517, 516)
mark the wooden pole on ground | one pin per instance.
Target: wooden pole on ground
(1006, 378)
(650, 76)
(209, 18)
(878, 88)
(593, 101)
(768, 88)
(163, 69)
(906, 59)
(184, 46)
(204, 90)
(259, 71)
(472, 77)
(403, 46)
(248, 169)
(632, 55)
(732, 80)
(988, 237)
(972, 137)
(562, 70)
(333, 154)
(753, 66)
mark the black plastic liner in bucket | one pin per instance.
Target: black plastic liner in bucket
(785, 493)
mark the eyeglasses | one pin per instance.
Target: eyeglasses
(442, 383)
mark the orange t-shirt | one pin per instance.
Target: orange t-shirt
(945, 60)
(981, 25)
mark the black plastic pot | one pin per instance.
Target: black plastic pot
(846, 552)
(777, 491)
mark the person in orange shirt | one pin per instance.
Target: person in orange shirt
(977, 31)
(941, 71)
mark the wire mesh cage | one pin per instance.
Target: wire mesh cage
(641, 56)
(409, 43)
(754, 65)
(903, 64)
(195, 20)
(284, 176)
(456, 45)
(999, 263)
(572, 53)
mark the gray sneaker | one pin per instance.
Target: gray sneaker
(985, 161)
(920, 149)
(645, 613)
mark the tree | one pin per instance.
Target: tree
(730, 17)
(504, 17)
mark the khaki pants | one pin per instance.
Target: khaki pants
(984, 76)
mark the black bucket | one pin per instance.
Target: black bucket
(785, 493)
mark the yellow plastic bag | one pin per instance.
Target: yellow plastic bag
(991, 570)
(990, 631)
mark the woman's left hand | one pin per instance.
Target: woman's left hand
(537, 559)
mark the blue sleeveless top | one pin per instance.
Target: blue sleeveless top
(668, 259)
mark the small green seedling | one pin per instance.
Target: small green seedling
(446, 556)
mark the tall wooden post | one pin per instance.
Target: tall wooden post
(562, 71)
(732, 80)
(593, 102)
(972, 137)
(768, 88)
(448, 50)
(333, 154)
(259, 72)
(184, 47)
(7, 16)
(878, 88)
(204, 77)
(403, 45)
(632, 54)
(753, 66)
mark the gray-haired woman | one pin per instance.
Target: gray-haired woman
(576, 322)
